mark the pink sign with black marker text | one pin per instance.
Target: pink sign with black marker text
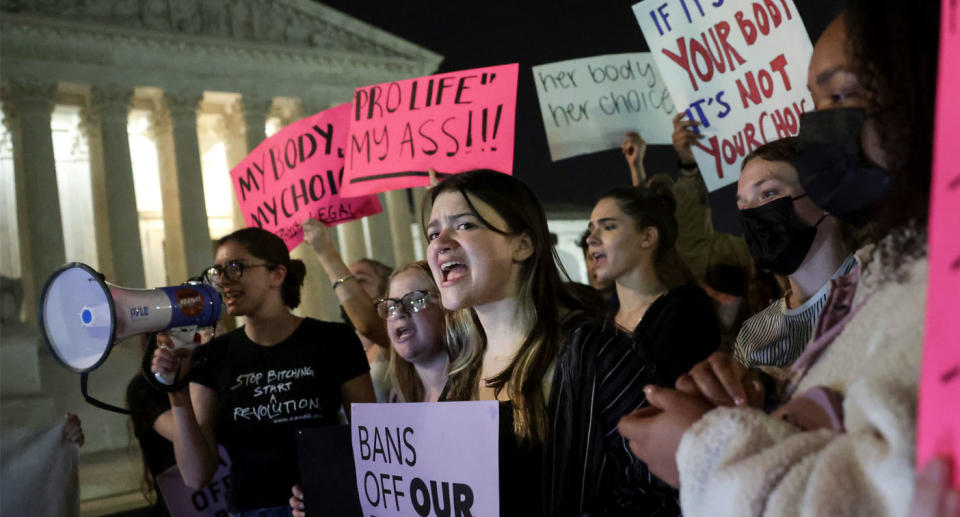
(938, 412)
(298, 172)
(450, 122)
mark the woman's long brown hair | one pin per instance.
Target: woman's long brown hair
(541, 294)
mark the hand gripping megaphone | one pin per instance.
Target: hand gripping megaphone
(82, 316)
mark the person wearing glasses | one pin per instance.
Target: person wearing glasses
(254, 386)
(419, 361)
(421, 344)
(424, 340)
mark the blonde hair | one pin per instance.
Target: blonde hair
(460, 330)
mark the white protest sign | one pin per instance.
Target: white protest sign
(738, 67)
(425, 459)
(589, 104)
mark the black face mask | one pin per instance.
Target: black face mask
(778, 239)
(832, 168)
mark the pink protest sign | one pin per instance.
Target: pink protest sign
(183, 501)
(449, 122)
(427, 459)
(938, 415)
(298, 172)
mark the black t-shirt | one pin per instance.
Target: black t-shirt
(267, 392)
(679, 330)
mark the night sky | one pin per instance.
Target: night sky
(476, 34)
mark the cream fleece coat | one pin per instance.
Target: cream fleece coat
(743, 462)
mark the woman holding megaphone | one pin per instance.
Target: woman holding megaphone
(254, 386)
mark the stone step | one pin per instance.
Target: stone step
(109, 474)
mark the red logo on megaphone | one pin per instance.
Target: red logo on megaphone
(190, 302)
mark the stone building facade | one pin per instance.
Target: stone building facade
(121, 119)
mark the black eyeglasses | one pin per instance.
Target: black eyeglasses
(411, 303)
(233, 271)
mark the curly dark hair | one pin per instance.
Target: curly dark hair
(894, 49)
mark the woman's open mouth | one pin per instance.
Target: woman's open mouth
(452, 271)
(402, 334)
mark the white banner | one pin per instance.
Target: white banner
(39, 474)
(738, 67)
(589, 104)
(427, 458)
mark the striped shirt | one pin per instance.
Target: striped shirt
(588, 467)
(776, 336)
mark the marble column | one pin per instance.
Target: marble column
(379, 232)
(91, 126)
(11, 210)
(175, 260)
(255, 112)
(190, 217)
(115, 199)
(397, 208)
(353, 246)
(30, 106)
(235, 143)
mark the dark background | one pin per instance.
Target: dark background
(476, 34)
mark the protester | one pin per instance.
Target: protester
(419, 352)
(631, 239)
(720, 262)
(605, 288)
(788, 235)
(844, 441)
(563, 379)
(256, 384)
(423, 338)
(356, 288)
(153, 426)
(698, 242)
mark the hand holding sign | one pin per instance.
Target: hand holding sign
(456, 122)
(298, 172)
(685, 134)
(634, 148)
(297, 506)
(319, 236)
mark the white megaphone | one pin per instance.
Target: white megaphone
(81, 315)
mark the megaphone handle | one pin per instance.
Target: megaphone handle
(181, 337)
(167, 379)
